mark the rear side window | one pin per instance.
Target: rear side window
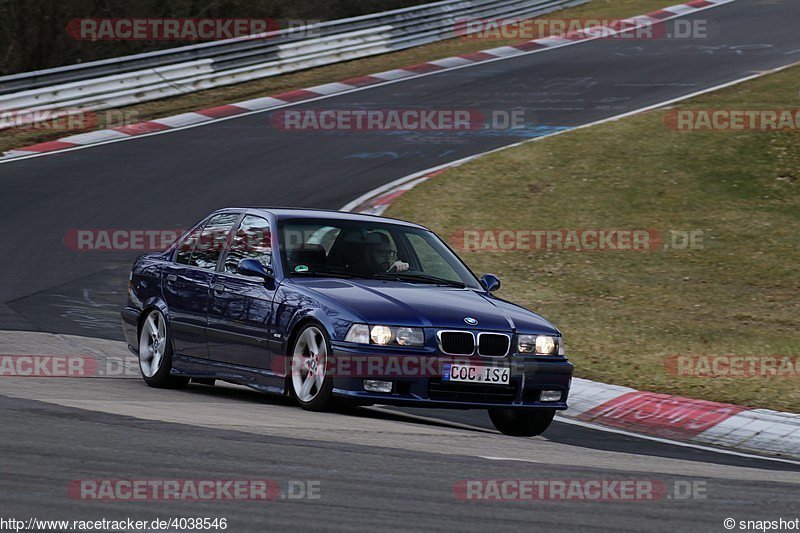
(252, 240)
(183, 254)
(203, 248)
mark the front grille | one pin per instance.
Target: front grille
(471, 392)
(457, 342)
(493, 344)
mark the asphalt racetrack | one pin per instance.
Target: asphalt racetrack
(377, 468)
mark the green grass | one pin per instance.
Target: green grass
(10, 139)
(623, 313)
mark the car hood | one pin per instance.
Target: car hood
(412, 304)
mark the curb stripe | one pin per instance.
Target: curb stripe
(423, 68)
(530, 45)
(223, 111)
(296, 96)
(260, 103)
(94, 137)
(330, 88)
(661, 14)
(450, 62)
(362, 81)
(141, 127)
(391, 75)
(184, 119)
(48, 146)
(477, 56)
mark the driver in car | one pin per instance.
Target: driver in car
(384, 256)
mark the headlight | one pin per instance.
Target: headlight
(381, 334)
(385, 335)
(358, 333)
(410, 337)
(538, 344)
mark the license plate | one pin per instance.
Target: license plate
(463, 373)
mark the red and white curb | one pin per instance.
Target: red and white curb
(321, 91)
(685, 419)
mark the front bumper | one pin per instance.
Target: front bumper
(425, 388)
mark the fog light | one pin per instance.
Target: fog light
(372, 385)
(550, 396)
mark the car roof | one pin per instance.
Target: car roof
(282, 213)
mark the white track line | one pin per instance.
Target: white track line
(508, 459)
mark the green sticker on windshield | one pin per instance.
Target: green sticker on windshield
(301, 268)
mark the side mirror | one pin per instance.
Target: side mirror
(253, 267)
(490, 282)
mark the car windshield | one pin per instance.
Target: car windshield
(356, 249)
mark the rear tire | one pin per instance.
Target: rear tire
(155, 353)
(310, 383)
(521, 422)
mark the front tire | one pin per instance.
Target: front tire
(312, 387)
(155, 353)
(521, 422)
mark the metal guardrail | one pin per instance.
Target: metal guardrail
(143, 77)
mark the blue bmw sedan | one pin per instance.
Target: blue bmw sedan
(336, 308)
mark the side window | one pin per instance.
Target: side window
(431, 262)
(183, 254)
(212, 240)
(325, 237)
(253, 240)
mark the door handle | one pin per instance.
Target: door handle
(219, 288)
(172, 278)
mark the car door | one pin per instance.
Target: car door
(187, 283)
(240, 314)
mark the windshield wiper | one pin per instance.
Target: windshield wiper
(421, 278)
